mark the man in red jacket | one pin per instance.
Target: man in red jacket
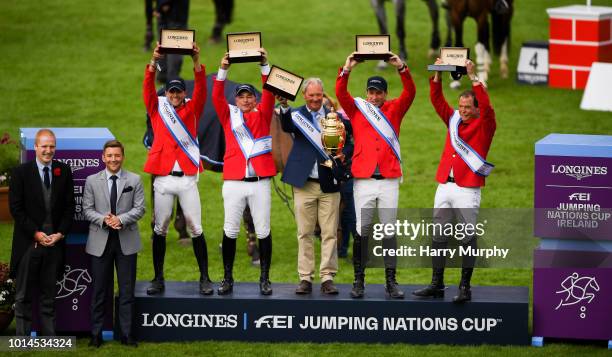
(175, 159)
(248, 166)
(376, 166)
(461, 173)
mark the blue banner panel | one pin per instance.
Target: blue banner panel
(496, 315)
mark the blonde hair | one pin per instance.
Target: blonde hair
(42, 132)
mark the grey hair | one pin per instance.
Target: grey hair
(309, 81)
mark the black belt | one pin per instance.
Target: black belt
(450, 179)
(378, 177)
(177, 173)
(312, 179)
(254, 178)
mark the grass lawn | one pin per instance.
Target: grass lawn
(77, 63)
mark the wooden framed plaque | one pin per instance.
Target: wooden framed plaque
(372, 47)
(244, 47)
(176, 41)
(283, 83)
(454, 60)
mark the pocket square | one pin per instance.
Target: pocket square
(127, 189)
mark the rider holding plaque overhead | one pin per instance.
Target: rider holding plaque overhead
(175, 159)
(461, 173)
(376, 161)
(248, 166)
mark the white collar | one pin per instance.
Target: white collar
(109, 174)
(41, 165)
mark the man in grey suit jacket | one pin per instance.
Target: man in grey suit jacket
(113, 202)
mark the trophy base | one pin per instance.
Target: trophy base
(176, 51)
(280, 92)
(244, 59)
(371, 56)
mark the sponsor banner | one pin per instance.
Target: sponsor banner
(496, 315)
(75, 293)
(573, 197)
(572, 303)
(83, 163)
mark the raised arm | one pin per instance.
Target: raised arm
(218, 93)
(199, 89)
(408, 88)
(149, 93)
(436, 96)
(347, 102)
(266, 106)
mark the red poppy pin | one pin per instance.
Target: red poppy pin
(57, 172)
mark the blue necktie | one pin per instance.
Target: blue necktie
(47, 179)
(113, 195)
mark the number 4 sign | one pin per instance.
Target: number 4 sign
(533, 63)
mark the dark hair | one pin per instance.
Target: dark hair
(469, 93)
(113, 144)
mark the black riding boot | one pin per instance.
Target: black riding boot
(359, 262)
(201, 253)
(228, 248)
(465, 293)
(467, 267)
(265, 247)
(436, 288)
(159, 252)
(391, 285)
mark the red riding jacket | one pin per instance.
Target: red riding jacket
(370, 147)
(478, 134)
(258, 121)
(165, 151)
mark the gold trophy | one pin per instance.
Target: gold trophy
(333, 136)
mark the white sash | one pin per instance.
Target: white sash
(381, 124)
(476, 163)
(310, 131)
(179, 132)
(250, 147)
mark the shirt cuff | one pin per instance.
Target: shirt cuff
(221, 74)
(265, 69)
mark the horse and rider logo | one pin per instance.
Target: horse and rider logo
(577, 289)
(74, 282)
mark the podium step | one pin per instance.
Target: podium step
(496, 315)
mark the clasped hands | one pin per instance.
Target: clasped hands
(113, 221)
(47, 240)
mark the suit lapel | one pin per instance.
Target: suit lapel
(306, 113)
(104, 187)
(120, 185)
(55, 182)
(37, 183)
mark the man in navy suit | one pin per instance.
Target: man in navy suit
(316, 188)
(41, 198)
